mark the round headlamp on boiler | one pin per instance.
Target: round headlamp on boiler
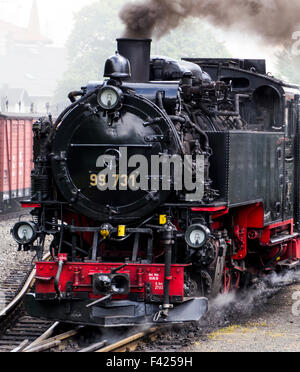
(110, 98)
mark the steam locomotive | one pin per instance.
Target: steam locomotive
(166, 184)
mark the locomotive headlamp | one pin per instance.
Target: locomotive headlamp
(24, 232)
(102, 284)
(197, 235)
(109, 98)
(111, 283)
(120, 284)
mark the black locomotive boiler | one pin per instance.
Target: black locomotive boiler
(126, 249)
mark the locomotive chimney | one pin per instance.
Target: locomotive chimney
(137, 51)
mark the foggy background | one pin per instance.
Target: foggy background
(49, 47)
(56, 16)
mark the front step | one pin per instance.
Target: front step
(288, 264)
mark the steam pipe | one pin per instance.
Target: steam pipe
(58, 275)
(168, 257)
(167, 242)
(159, 98)
(237, 107)
(72, 95)
(69, 108)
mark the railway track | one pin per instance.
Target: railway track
(131, 343)
(53, 340)
(15, 325)
(22, 329)
(12, 216)
(12, 287)
(21, 333)
(105, 344)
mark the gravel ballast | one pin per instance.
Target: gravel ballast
(264, 318)
(273, 327)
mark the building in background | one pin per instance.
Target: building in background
(30, 67)
(14, 100)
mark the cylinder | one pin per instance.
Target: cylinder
(138, 52)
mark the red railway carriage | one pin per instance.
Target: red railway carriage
(16, 141)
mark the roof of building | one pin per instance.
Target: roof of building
(31, 34)
(28, 60)
(22, 116)
(14, 95)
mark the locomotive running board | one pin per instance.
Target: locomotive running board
(114, 314)
(190, 311)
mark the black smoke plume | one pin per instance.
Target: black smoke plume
(274, 20)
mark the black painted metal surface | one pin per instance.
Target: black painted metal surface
(84, 137)
(249, 166)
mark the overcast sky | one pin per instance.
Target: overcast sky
(56, 16)
(57, 20)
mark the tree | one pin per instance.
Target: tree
(93, 41)
(192, 39)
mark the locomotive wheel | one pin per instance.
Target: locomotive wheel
(205, 283)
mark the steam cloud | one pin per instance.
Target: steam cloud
(233, 307)
(274, 20)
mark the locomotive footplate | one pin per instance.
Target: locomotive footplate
(111, 294)
(114, 313)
